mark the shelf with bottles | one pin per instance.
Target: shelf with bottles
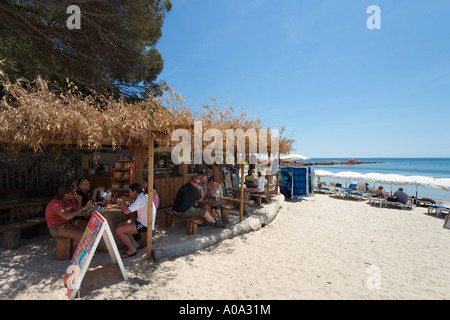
(122, 176)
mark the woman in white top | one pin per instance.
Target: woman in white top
(260, 183)
(127, 228)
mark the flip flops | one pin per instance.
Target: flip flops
(124, 255)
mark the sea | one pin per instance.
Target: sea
(429, 167)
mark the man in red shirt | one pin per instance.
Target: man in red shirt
(61, 211)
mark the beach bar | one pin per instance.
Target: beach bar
(35, 119)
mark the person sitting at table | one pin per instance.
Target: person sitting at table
(250, 179)
(137, 236)
(84, 190)
(145, 191)
(62, 210)
(126, 229)
(186, 200)
(380, 193)
(401, 196)
(155, 192)
(214, 191)
(260, 183)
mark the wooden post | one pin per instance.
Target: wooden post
(150, 212)
(140, 156)
(241, 206)
(268, 180)
(277, 184)
(184, 168)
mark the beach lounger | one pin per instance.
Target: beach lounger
(350, 194)
(409, 204)
(356, 195)
(322, 188)
(375, 200)
(439, 210)
(423, 202)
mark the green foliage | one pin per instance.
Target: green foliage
(114, 50)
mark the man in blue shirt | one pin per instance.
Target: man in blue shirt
(401, 196)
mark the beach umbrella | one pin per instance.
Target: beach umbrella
(323, 173)
(423, 181)
(349, 175)
(377, 177)
(443, 183)
(293, 157)
(399, 179)
(390, 179)
(430, 182)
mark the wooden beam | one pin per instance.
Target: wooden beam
(277, 183)
(241, 207)
(140, 155)
(150, 212)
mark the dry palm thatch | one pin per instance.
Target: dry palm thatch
(37, 118)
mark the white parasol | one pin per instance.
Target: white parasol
(349, 175)
(323, 173)
(293, 157)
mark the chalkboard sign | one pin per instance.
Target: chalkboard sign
(97, 227)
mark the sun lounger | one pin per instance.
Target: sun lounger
(409, 204)
(424, 202)
(321, 189)
(346, 193)
(439, 210)
(376, 200)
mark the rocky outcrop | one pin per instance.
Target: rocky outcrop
(322, 163)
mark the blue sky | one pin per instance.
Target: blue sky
(313, 66)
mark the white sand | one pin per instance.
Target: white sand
(320, 248)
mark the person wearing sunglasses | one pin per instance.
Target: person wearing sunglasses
(186, 201)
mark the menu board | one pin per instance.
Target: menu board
(97, 227)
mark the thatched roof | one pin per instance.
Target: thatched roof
(33, 117)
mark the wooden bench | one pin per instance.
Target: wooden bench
(259, 197)
(11, 232)
(191, 222)
(64, 248)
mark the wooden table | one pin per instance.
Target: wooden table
(208, 203)
(237, 195)
(113, 216)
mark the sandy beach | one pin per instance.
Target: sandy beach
(318, 248)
